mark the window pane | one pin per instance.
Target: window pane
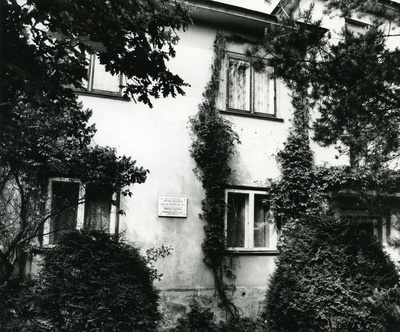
(97, 207)
(264, 92)
(236, 220)
(103, 80)
(263, 223)
(239, 85)
(64, 208)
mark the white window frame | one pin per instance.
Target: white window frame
(356, 26)
(91, 77)
(272, 97)
(80, 212)
(249, 224)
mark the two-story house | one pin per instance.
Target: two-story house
(165, 209)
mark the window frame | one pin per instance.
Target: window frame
(349, 205)
(272, 98)
(80, 218)
(249, 225)
(381, 228)
(91, 76)
(356, 26)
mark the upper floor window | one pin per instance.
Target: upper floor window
(73, 205)
(248, 90)
(250, 225)
(101, 81)
(356, 27)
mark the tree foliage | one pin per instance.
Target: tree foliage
(331, 275)
(45, 46)
(213, 144)
(326, 271)
(44, 130)
(352, 82)
(90, 281)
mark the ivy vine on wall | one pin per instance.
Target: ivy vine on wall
(213, 144)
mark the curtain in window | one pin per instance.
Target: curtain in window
(239, 85)
(236, 220)
(263, 223)
(97, 207)
(64, 208)
(103, 80)
(263, 92)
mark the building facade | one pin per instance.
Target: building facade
(165, 209)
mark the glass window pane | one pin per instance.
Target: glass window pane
(236, 220)
(97, 207)
(264, 92)
(263, 223)
(103, 80)
(64, 208)
(239, 85)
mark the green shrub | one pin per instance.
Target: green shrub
(18, 312)
(326, 271)
(198, 320)
(202, 320)
(386, 302)
(92, 282)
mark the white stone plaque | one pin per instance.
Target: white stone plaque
(171, 206)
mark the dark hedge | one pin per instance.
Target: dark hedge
(325, 274)
(92, 282)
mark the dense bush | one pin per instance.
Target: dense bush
(92, 282)
(202, 320)
(18, 312)
(327, 271)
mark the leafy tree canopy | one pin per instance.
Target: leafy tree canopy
(45, 46)
(353, 82)
(44, 130)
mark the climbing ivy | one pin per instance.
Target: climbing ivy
(213, 144)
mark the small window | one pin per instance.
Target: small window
(73, 205)
(250, 225)
(377, 226)
(356, 27)
(249, 90)
(101, 81)
(353, 208)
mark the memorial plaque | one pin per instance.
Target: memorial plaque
(174, 207)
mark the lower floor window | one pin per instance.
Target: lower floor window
(75, 205)
(378, 226)
(250, 224)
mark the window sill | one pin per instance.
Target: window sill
(41, 249)
(252, 252)
(102, 95)
(260, 116)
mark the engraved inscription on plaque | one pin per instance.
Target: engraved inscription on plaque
(175, 207)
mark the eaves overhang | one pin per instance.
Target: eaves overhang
(226, 16)
(233, 18)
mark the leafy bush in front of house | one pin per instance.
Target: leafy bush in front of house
(327, 271)
(91, 281)
(18, 312)
(202, 320)
(386, 302)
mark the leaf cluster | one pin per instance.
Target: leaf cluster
(325, 273)
(213, 143)
(91, 281)
(201, 319)
(48, 42)
(352, 82)
(212, 146)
